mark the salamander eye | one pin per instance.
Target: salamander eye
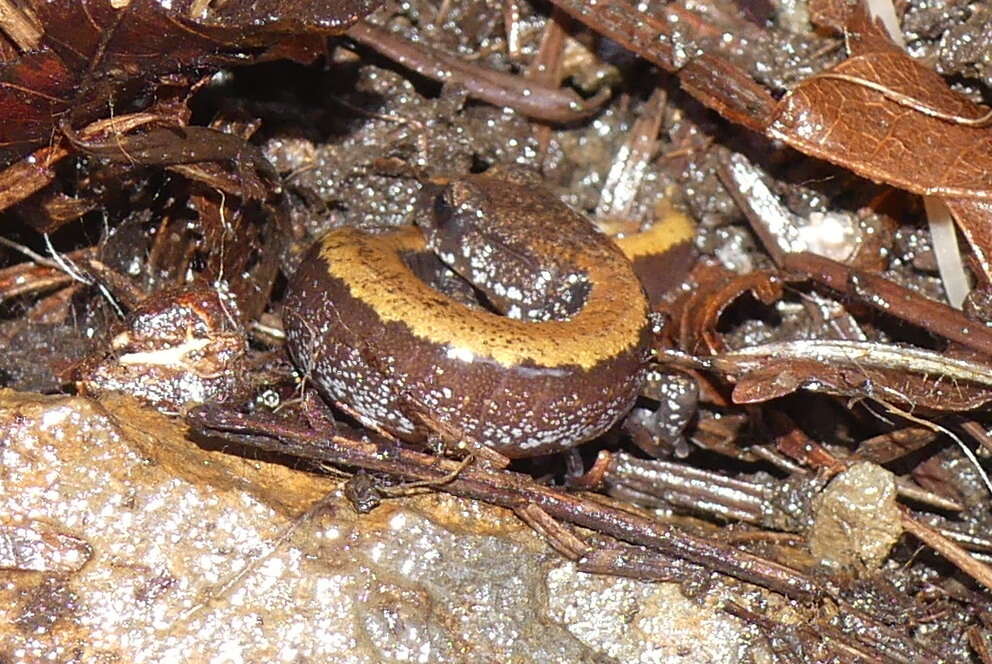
(443, 209)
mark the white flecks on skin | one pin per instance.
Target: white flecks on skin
(371, 396)
(527, 404)
(504, 421)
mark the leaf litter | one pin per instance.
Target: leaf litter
(138, 149)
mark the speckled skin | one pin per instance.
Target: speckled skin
(564, 362)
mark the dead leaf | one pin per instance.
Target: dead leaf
(696, 313)
(860, 128)
(893, 374)
(92, 56)
(974, 218)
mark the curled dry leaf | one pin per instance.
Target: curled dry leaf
(93, 54)
(843, 116)
(696, 313)
(895, 374)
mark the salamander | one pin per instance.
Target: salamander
(545, 349)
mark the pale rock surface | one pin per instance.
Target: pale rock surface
(121, 541)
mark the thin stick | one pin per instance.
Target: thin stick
(960, 558)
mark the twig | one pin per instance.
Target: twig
(511, 490)
(955, 554)
(542, 102)
(960, 558)
(893, 299)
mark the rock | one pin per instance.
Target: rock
(857, 519)
(124, 541)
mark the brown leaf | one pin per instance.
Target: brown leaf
(848, 123)
(830, 14)
(697, 312)
(894, 374)
(885, 116)
(92, 55)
